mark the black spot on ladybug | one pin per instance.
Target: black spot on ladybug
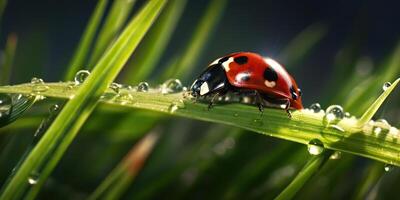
(270, 74)
(293, 92)
(241, 60)
(222, 60)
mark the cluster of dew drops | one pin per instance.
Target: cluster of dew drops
(332, 116)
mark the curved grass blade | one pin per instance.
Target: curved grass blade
(309, 169)
(372, 174)
(114, 22)
(198, 41)
(11, 46)
(148, 55)
(305, 40)
(67, 124)
(81, 53)
(122, 176)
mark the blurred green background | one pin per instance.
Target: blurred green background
(329, 47)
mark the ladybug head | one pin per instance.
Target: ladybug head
(295, 101)
(211, 80)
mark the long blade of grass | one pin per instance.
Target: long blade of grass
(81, 53)
(198, 41)
(304, 126)
(309, 169)
(370, 112)
(148, 55)
(114, 22)
(65, 127)
(122, 176)
(305, 41)
(372, 174)
(3, 4)
(10, 49)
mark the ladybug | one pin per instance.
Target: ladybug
(250, 74)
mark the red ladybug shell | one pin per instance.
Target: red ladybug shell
(252, 71)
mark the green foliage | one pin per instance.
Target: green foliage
(236, 164)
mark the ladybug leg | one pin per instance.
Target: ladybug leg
(287, 106)
(210, 105)
(259, 101)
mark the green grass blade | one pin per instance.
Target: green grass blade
(148, 55)
(81, 53)
(77, 110)
(79, 59)
(303, 127)
(10, 49)
(372, 174)
(309, 169)
(198, 41)
(3, 4)
(370, 112)
(113, 24)
(123, 175)
(306, 40)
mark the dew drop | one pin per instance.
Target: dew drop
(386, 86)
(5, 107)
(236, 114)
(336, 155)
(54, 109)
(173, 108)
(81, 76)
(143, 87)
(347, 115)
(315, 107)
(171, 86)
(124, 98)
(38, 85)
(33, 179)
(116, 87)
(315, 147)
(377, 130)
(388, 167)
(334, 114)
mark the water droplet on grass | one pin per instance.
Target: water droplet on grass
(171, 86)
(38, 85)
(315, 107)
(33, 179)
(386, 86)
(315, 147)
(143, 87)
(333, 115)
(388, 167)
(116, 87)
(336, 155)
(81, 76)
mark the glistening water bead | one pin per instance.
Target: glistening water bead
(81, 76)
(386, 86)
(171, 86)
(315, 107)
(315, 147)
(143, 87)
(38, 85)
(334, 114)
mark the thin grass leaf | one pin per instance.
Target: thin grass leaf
(81, 53)
(370, 112)
(9, 56)
(113, 24)
(305, 40)
(122, 176)
(304, 126)
(65, 127)
(309, 169)
(372, 174)
(3, 4)
(149, 54)
(198, 41)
